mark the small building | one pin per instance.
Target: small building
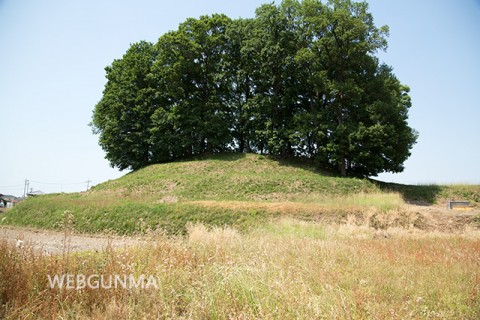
(35, 193)
(458, 205)
(8, 201)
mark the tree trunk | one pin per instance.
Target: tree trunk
(209, 147)
(202, 145)
(341, 166)
(241, 146)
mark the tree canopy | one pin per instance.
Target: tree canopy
(301, 79)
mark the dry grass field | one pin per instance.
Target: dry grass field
(289, 269)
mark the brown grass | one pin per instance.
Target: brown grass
(289, 269)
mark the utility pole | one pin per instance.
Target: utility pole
(25, 189)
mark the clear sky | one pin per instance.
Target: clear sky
(53, 54)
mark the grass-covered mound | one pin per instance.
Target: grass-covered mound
(240, 190)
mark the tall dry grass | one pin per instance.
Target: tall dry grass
(289, 269)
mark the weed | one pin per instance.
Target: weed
(286, 269)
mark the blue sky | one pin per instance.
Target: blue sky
(53, 54)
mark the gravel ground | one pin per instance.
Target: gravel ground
(52, 242)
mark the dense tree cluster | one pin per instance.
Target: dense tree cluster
(300, 79)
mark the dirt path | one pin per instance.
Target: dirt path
(52, 242)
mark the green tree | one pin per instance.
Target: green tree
(300, 79)
(343, 80)
(381, 138)
(274, 42)
(191, 78)
(122, 118)
(240, 67)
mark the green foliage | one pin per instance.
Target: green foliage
(300, 79)
(123, 115)
(189, 72)
(128, 217)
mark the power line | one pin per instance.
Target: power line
(27, 185)
(15, 186)
(57, 183)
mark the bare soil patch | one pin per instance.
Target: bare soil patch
(436, 218)
(53, 242)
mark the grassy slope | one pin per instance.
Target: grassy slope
(230, 189)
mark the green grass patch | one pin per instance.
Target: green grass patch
(434, 194)
(164, 195)
(127, 217)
